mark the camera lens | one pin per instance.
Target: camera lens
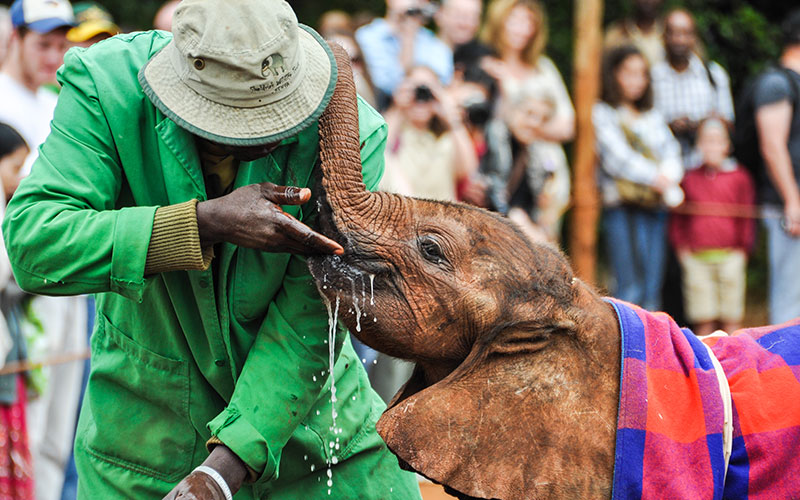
(423, 94)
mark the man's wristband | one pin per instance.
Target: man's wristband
(217, 478)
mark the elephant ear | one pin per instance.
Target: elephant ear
(462, 432)
(524, 419)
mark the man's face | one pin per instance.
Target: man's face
(459, 20)
(250, 153)
(679, 35)
(42, 54)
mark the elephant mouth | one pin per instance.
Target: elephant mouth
(338, 273)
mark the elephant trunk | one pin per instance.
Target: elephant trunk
(340, 151)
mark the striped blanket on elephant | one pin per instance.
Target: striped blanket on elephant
(671, 413)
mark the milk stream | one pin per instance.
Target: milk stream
(333, 317)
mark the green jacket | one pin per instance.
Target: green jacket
(180, 356)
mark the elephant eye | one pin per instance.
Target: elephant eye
(431, 250)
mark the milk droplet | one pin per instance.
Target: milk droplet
(312, 467)
(335, 460)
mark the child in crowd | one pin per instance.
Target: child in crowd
(712, 233)
(16, 470)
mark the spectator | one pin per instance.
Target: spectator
(527, 176)
(458, 21)
(16, 478)
(5, 32)
(644, 30)
(36, 50)
(429, 149)
(163, 18)
(94, 24)
(335, 21)
(361, 75)
(686, 88)
(395, 44)
(640, 169)
(475, 91)
(777, 104)
(517, 31)
(713, 233)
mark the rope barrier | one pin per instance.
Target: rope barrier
(59, 359)
(724, 210)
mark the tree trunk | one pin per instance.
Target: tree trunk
(586, 85)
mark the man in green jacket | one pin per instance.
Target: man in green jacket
(160, 189)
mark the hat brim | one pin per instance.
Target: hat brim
(90, 29)
(239, 126)
(44, 26)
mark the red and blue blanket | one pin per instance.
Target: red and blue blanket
(670, 425)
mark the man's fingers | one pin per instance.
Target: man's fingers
(285, 195)
(305, 237)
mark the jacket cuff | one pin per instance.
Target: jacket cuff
(175, 242)
(234, 431)
(252, 476)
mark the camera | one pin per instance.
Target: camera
(423, 94)
(478, 111)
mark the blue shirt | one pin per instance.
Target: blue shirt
(381, 50)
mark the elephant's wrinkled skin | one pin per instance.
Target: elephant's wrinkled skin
(510, 348)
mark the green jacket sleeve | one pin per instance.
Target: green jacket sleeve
(289, 350)
(63, 234)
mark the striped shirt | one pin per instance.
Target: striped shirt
(619, 159)
(691, 94)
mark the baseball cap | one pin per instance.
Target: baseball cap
(42, 16)
(240, 73)
(92, 20)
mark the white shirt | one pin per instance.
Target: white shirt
(28, 112)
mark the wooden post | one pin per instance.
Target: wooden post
(586, 86)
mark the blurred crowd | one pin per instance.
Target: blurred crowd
(476, 112)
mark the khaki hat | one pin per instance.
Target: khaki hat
(240, 72)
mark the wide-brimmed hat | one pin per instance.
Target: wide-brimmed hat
(42, 16)
(92, 20)
(240, 73)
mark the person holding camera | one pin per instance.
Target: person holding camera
(396, 43)
(429, 149)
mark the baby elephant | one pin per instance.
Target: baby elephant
(527, 383)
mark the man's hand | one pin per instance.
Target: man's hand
(791, 219)
(201, 486)
(251, 217)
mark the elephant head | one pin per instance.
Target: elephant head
(515, 389)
